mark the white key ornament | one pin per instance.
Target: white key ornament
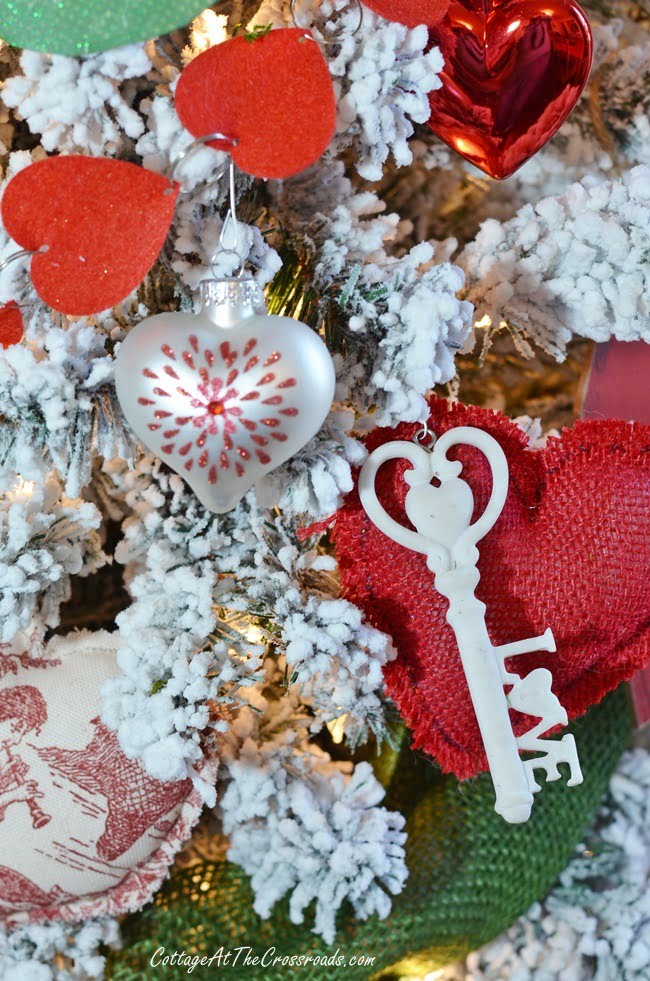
(442, 517)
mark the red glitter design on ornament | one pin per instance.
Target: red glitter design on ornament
(215, 402)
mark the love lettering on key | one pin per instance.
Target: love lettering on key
(444, 533)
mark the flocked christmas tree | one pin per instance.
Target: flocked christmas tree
(257, 650)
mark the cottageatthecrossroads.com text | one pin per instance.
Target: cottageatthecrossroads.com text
(243, 957)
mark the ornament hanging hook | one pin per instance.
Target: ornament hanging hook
(230, 221)
(424, 437)
(335, 37)
(21, 254)
(194, 145)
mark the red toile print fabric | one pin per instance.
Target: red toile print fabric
(84, 830)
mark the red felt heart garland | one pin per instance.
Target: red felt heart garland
(11, 324)
(102, 221)
(571, 551)
(288, 124)
(410, 12)
(513, 72)
(96, 226)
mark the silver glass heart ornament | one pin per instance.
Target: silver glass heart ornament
(226, 395)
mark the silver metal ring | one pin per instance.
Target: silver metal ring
(19, 255)
(334, 38)
(238, 272)
(201, 141)
(424, 437)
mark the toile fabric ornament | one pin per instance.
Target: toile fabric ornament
(511, 76)
(445, 533)
(577, 511)
(96, 833)
(225, 396)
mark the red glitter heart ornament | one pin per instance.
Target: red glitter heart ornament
(103, 222)
(273, 95)
(570, 551)
(513, 72)
(412, 13)
(11, 324)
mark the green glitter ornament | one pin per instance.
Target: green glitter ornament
(78, 27)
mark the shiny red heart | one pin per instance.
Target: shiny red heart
(571, 551)
(272, 95)
(513, 72)
(103, 222)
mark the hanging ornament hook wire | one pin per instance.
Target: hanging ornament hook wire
(20, 254)
(194, 145)
(424, 437)
(230, 221)
(335, 37)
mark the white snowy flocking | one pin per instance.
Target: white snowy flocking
(382, 75)
(301, 826)
(575, 264)
(335, 658)
(78, 103)
(58, 406)
(44, 539)
(29, 953)
(390, 307)
(173, 659)
(406, 315)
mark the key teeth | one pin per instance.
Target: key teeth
(549, 640)
(575, 777)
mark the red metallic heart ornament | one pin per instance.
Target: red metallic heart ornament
(513, 72)
(570, 551)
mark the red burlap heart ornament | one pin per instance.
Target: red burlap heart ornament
(571, 551)
(11, 324)
(273, 95)
(410, 12)
(513, 72)
(103, 221)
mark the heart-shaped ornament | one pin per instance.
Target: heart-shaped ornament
(101, 222)
(11, 324)
(226, 396)
(412, 13)
(271, 95)
(570, 552)
(513, 72)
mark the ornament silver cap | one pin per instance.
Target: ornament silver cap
(226, 302)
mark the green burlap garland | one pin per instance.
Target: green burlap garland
(471, 875)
